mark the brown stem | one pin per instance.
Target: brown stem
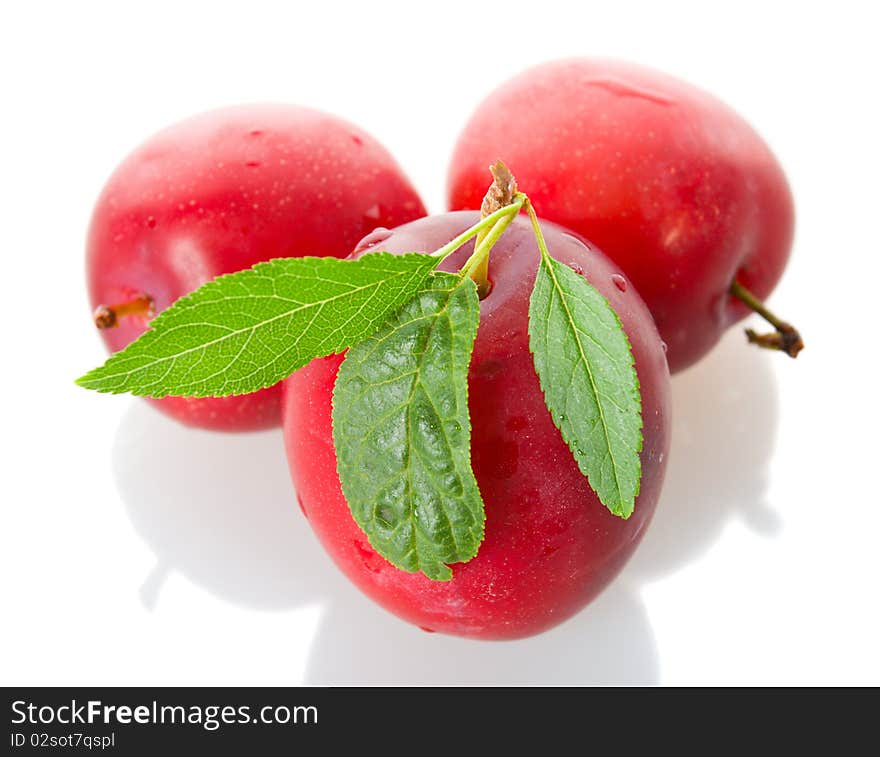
(499, 195)
(786, 338)
(107, 316)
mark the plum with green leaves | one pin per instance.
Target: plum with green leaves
(219, 192)
(489, 450)
(548, 544)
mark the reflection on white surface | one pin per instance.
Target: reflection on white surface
(220, 510)
(723, 434)
(609, 643)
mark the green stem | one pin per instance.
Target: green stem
(536, 227)
(476, 263)
(484, 223)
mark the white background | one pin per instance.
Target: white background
(135, 551)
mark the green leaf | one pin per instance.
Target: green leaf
(248, 330)
(583, 359)
(402, 431)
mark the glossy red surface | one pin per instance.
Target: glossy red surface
(667, 180)
(550, 546)
(227, 189)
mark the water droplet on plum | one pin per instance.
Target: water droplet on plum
(574, 238)
(376, 236)
(616, 86)
(371, 561)
(619, 281)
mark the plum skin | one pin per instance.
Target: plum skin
(550, 545)
(222, 191)
(667, 180)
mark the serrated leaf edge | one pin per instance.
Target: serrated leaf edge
(188, 301)
(619, 507)
(445, 572)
